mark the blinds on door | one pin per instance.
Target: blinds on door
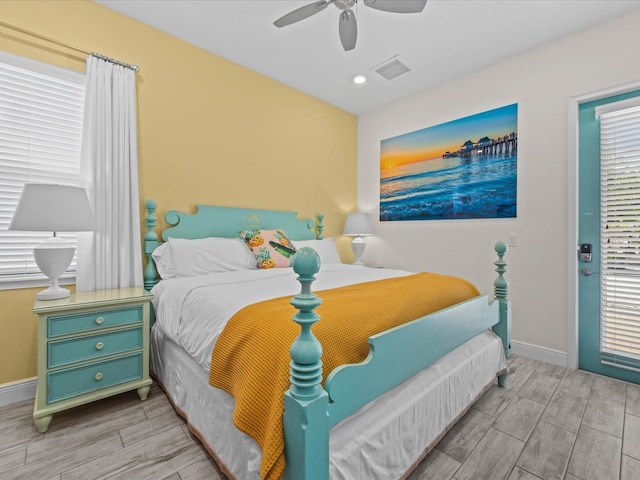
(41, 118)
(620, 233)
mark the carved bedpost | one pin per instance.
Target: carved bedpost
(319, 226)
(500, 288)
(150, 244)
(306, 421)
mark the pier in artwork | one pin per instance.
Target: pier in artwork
(506, 145)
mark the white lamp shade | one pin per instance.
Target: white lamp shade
(357, 225)
(52, 208)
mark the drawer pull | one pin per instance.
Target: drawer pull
(99, 376)
(99, 346)
(99, 320)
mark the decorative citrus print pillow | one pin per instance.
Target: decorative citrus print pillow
(272, 248)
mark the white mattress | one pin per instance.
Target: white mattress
(382, 440)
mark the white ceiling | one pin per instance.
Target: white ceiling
(448, 39)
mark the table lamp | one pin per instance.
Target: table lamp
(358, 225)
(54, 208)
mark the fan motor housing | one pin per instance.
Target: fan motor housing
(344, 4)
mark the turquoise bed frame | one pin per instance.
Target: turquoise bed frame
(311, 409)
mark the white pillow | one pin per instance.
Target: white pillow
(325, 248)
(164, 263)
(183, 257)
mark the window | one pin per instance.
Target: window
(620, 233)
(41, 117)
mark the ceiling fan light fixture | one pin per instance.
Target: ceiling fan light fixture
(345, 4)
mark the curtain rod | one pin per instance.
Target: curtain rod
(135, 68)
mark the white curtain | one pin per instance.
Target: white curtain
(110, 257)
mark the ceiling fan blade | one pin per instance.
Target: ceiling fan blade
(348, 30)
(302, 13)
(397, 6)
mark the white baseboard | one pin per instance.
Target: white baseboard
(18, 391)
(536, 352)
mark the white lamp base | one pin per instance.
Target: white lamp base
(53, 256)
(358, 245)
(54, 292)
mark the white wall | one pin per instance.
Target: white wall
(541, 82)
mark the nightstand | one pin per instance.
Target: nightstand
(91, 345)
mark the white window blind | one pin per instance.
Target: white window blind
(41, 117)
(620, 233)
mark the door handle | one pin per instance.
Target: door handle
(587, 272)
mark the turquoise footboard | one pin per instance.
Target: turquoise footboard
(395, 356)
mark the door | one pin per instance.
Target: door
(595, 279)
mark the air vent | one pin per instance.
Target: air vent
(392, 68)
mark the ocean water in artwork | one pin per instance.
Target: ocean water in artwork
(477, 186)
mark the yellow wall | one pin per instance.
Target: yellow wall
(209, 131)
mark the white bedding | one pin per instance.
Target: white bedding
(193, 311)
(382, 440)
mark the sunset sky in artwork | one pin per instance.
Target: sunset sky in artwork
(432, 142)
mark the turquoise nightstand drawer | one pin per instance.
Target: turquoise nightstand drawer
(95, 376)
(66, 324)
(65, 352)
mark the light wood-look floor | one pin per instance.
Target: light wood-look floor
(550, 423)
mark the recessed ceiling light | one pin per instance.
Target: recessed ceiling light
(359, 79)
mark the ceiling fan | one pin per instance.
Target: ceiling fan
(347, 27)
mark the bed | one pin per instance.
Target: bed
(376, 417)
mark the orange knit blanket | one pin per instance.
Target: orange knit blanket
(251, 357)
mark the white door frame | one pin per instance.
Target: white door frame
(572, 212)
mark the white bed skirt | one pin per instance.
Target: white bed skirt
(384, 439)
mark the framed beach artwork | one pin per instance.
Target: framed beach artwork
(463, 169)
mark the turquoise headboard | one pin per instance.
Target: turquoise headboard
(218, 221)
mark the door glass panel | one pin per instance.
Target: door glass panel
(620, 233)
